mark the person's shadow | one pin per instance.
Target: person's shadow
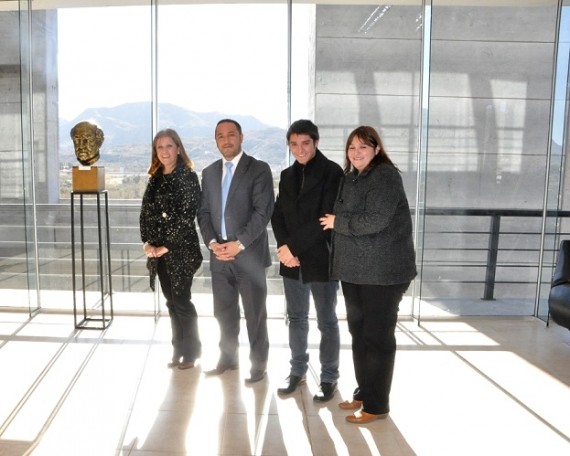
(251, 423)
(336, 436)
(163, 419)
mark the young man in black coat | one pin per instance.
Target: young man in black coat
(307, 191)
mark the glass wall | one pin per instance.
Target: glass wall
(491, 72)
(105, 76)
(368, 72)
(18, 246)
(470, 99)
(220, 61)
(556, 227)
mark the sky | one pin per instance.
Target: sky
(222, 58)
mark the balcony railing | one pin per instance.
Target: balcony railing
(463, 247)
(514, 233)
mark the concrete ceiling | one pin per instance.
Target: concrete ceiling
(12, 5)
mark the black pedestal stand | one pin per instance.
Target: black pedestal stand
(103, 249)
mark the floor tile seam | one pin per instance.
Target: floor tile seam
(131, 407)
(75, 340)
(61, 401)
(305, 411)
(24, 324)
(521, 403)
(457, 352)
(35, 384)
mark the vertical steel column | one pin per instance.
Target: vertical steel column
(492, 255)
(422, 153)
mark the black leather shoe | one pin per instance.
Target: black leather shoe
(220, 369)
(256, 376)
(294, 382)
(326, 393)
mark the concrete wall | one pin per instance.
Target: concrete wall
(490, 75)
(489, 111)
(11, 188)
(13, 155)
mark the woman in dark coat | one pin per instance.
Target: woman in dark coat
(171, 244)
(374, 258)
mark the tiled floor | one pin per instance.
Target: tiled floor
(476, 386)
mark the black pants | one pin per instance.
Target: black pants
(372, 314)
(183, 318)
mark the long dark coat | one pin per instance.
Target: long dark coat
(295, 219)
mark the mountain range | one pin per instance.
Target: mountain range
(128, 136)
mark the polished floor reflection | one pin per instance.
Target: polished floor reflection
(475, 386)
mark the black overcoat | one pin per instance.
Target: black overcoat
(295, 219)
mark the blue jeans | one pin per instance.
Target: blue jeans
(297, 296)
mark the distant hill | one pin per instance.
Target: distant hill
(128, 136)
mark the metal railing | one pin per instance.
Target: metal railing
(478, 246)
(494, 234)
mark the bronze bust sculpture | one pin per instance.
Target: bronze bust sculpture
(87, 139)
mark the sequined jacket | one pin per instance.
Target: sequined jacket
(167, 218)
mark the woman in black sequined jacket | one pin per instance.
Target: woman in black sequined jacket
(171, 244)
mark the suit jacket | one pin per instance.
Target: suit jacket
(248, 210)
(295, 219)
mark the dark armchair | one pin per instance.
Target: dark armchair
(559, 298)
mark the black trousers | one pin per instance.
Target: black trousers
(372, 314)
(183, 318)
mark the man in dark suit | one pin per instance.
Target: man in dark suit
(307, 191)
(235, 231)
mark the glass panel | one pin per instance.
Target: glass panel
(105, 79)
(491, 72)
(30, 65)
(302, 61)
(557, 228)
(420, 197)
(232, 70)
(17, 246)
(367, 72)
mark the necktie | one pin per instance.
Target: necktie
(225, 189)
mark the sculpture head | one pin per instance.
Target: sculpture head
(87, 139)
